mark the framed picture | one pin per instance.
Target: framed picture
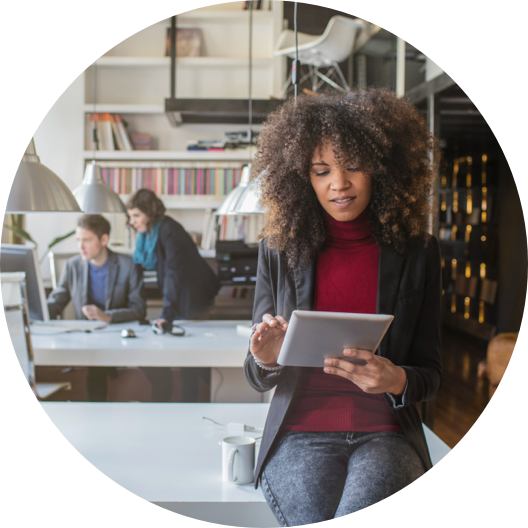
(188, 42)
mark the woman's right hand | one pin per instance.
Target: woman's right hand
(266, 342)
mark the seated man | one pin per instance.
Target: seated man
(102, 285)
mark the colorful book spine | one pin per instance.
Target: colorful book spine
(171, 180)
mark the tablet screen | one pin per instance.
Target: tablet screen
(312, 336)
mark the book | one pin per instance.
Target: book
(91, 124)
(104, 132)
(172, 178)
(120, 133)
(238, 227)
(208, 231)
(117, 137)
(188, 42)
(206, 145)
(140, 141)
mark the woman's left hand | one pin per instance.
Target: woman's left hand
(159, 323)
(379, 375)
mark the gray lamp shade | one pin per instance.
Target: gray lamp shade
(249, 201)
(94, 196)
(38, 189)
(243, 199)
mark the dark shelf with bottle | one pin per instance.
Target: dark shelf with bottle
(468, 235)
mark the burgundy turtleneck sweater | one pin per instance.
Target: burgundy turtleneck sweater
(346, 281)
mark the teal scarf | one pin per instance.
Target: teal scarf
(145, 252)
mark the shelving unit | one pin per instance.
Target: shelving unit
(468, 238)
(169, 155)
(139, 63)
(133, 80)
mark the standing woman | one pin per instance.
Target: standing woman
(345, 181)
(187, 282)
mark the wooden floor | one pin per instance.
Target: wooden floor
(463, 395)
(460, 402)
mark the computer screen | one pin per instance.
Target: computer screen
(15, 257)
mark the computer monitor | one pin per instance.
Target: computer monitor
(15, 257)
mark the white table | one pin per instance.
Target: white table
(167, 454)
(14, 298)
(206, 344)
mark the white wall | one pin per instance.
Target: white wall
(59, 142)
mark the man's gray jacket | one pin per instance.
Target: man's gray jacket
(123, 289)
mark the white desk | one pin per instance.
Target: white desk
(167, 454)
(205, 344)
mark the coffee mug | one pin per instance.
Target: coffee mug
(238, 459)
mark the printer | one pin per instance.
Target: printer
(236, 262)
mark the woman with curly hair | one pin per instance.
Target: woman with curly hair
(345, 182)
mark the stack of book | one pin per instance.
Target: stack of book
(140, 141)
(231, 141)
(236, 227)
(213, 146)
(110, 131)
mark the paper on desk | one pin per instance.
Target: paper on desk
(51, 327)
(244, 330)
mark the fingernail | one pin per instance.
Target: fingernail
(328, 361)
(327, 370)
(347, 352)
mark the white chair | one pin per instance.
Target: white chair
(324, 51)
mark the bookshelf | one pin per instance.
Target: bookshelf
(468, 234)
(133, 80)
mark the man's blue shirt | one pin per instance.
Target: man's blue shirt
(97, 282)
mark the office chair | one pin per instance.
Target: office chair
(57, 262)
(322, 52)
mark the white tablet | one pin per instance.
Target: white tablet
(313, 336)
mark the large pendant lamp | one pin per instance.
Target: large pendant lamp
(244, 199)
(38, 189)
(248, 201)
(93, 195)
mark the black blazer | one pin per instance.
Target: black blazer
(409, 287)
(188, 283)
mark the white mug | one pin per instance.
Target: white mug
(238, 459)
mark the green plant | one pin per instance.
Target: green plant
(54, 242)
(18, 233)
(15, 227)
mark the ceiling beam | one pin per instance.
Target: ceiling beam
(436, 85)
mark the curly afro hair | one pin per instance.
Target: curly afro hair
(384, 133)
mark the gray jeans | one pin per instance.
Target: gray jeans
(316, 476)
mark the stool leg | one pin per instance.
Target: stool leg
(341, 76)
